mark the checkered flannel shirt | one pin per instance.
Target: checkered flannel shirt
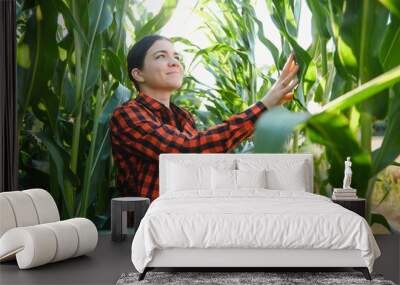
(143, 127)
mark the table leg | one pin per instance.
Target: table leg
(124, 223)
(116, 222)
(140, 211)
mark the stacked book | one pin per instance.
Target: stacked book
(344, 194)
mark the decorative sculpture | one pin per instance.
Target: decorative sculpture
(347, 174)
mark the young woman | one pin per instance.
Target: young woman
(150, 124)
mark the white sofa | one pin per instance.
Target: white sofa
(176, 233)
(31, 231)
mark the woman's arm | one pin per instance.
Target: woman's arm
(138, 133)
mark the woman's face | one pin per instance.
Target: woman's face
(162, 68)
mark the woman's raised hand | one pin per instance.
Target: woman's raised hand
(282, 89)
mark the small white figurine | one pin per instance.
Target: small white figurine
(347, 174)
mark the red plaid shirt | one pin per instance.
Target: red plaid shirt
(143, 128)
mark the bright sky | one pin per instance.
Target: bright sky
(184, 24)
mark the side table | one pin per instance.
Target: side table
(356, 205)
(119, 208)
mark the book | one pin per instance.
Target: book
(346, 196)
(341, 190)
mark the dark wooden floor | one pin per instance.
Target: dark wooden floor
(111, 259)
(102, 266)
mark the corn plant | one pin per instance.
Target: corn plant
(355, 82)
(363, 89)
(230, 58)
(71, 76)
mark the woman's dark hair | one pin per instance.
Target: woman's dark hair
(137, 53)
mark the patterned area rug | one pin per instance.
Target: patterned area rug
(230, 278)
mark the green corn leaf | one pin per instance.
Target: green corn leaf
(320, 14)
(274, 127)
(363, 92)
(94, 65)
(389, 51)
(390, 148)
(100, 17)
(113, 64)
(121, 7)
(332, 131)
(62, 171)
(271, 47)
(283, 18)
(41, 39)
(359, 30)
(70, 21)
(159, 20)
(23, 56)
(380, 219)
(328, 128)
(100, 146)
(392, 5)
